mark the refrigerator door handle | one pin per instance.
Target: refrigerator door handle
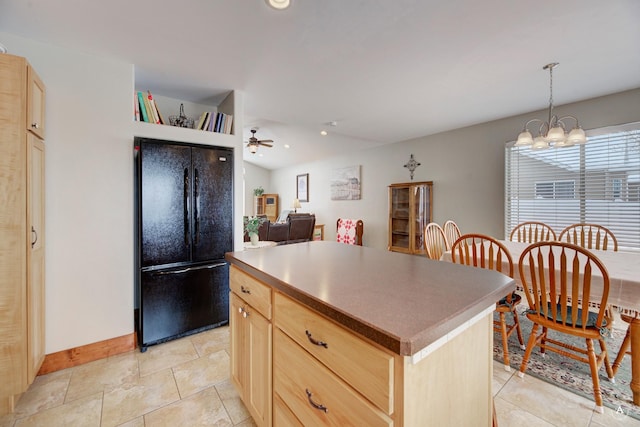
(196, 205)
(185, 270)
(186, 206)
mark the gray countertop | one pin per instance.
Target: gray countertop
(402, 302)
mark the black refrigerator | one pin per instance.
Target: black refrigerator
(184, 226)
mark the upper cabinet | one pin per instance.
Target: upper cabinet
(410, 210)
(35, 103)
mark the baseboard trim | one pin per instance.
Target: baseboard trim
(87, 353)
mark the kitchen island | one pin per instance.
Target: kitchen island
(324, 333)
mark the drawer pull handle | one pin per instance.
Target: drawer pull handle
(314, 404)
(245, 290)
(316, 342)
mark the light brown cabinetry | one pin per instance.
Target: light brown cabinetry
(267, 204)
(21, 227)
(317, 375)
(250, 324)
(410, 210)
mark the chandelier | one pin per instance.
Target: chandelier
(552, 133)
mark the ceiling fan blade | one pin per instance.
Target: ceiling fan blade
(266, 140)
(265, 144)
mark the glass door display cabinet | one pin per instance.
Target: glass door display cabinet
(410, 210)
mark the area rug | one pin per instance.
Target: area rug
(571, 374)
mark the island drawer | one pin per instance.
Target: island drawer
(255, 293)
(316, 396)
(365, 367)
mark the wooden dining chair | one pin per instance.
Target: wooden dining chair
(532, 232)
(349, 231)
(482, 251)
(435, 241)
(451, 232)
(590, 236)
(556, 276)
(625, 347)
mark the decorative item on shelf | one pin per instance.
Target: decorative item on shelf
(412, 164)
(295, 205)
(3, 49)
(258, 191)
(181, 120)
(552, 133)
(252, 226)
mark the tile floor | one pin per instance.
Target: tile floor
(186, 383)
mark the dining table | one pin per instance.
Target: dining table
(624, 294)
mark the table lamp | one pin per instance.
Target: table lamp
(295, 205)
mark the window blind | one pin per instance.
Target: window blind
(597, 182)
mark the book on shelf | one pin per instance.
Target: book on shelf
(207, 120)
(154, 108)
(143, 108)
(212, 123)
(220, 122)
(136, 107)
(147, 106)
(227, 124)
(201, 120)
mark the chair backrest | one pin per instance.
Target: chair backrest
(562, 276)
(435, 241)
(590, 236)
(482, 251)
(349, 231)
(451, 232)
(532, 232)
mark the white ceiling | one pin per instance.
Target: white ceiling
(386, 71)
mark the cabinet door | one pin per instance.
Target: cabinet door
(212, 203)
(399, 219)
(35, 104)
(421, 212)
(35, 259)
(237, 338)
(251, 359)
(258, 392)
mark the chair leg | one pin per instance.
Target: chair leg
(527, 353)
(505, 341)
(626, 343)
(543, 340)
(607, 365)
(516, 322)
(594, 376)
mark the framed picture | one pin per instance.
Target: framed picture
(345, 183)
(302, 187)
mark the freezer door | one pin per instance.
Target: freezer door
(180, 301)
(213, 203)
(164, 203)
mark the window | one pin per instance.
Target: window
(555, 190)
(598, 182)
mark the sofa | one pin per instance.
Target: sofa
(298, 227)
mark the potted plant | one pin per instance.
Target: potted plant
(258, 191)
(252, 226)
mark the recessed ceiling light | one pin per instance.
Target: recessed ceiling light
(279, 4)
(323, 132)
(287, 146)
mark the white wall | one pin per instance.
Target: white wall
(89, 191)
(254, 177)
(466, 166)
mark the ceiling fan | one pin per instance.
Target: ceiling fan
(254, 142)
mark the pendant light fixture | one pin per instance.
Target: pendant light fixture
(552, 133)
